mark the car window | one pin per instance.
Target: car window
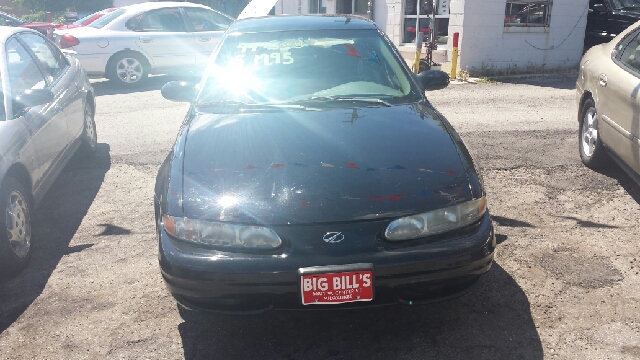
(81, 21)
(50, 58)
(23, 70)
(106, 19)
(163, 20)
(300, 65)
(628, 52)
(624, 4)
(207, 20)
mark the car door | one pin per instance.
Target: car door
(46, 123)
(62, 79)
(618, 101)
(17, 142)
(162, 33)
(207, 26)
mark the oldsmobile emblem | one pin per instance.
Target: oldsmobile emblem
(333, 237)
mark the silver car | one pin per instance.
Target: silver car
(608, 93)
(128, 44)
(47, 113)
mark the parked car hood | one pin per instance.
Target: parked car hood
(300, 167)
(630, 12)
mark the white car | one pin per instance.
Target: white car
(134, 41)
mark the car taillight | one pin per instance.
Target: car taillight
(67, 41)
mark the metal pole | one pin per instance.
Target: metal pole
(454, 56)
(418, 18)
(416, 61)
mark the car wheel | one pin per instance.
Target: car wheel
(89, 135)
(16, 238)
(592, 152)
(127, 69)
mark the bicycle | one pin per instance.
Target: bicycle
(429, 45)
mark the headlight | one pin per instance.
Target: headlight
(437, 221)
(221, 234)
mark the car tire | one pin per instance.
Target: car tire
(89, 136)
(127, 69)
(16, 237)
(592, 151)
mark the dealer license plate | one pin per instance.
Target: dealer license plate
(336, 287)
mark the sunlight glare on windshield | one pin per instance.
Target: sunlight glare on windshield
(236, 78)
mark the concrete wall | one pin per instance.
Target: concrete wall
(393, 23)
(486, 44)
(291, 7)
(381, 14)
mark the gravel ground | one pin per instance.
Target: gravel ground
(565, 283)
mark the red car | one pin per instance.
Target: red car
(42, 27)
(88, 19)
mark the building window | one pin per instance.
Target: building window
(317, 6)
(410, 19)
(527, 13)
(356, 7)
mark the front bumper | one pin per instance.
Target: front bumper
(230, 282)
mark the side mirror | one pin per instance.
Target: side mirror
(34, 97)
(600, 8)
(433, 80)
(180, 91)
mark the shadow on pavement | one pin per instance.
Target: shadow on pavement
(563, 81)
(630, 185)
(505, 221)
(56, 220)
(491, 322)
(153, 83)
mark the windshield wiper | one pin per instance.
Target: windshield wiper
(345, 98)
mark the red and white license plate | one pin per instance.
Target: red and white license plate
(337, 287)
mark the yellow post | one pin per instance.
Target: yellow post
(416, 61)
(454, 56)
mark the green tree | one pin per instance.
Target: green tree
(64, 5)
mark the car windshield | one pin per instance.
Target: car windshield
(307, 66)
(101, 22)
(625, 4)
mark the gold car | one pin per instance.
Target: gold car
(608, 91)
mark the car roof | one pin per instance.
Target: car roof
(160, 4)
(301, 22)
(7, 31)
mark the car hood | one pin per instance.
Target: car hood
(630, 12)
(301, 167)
